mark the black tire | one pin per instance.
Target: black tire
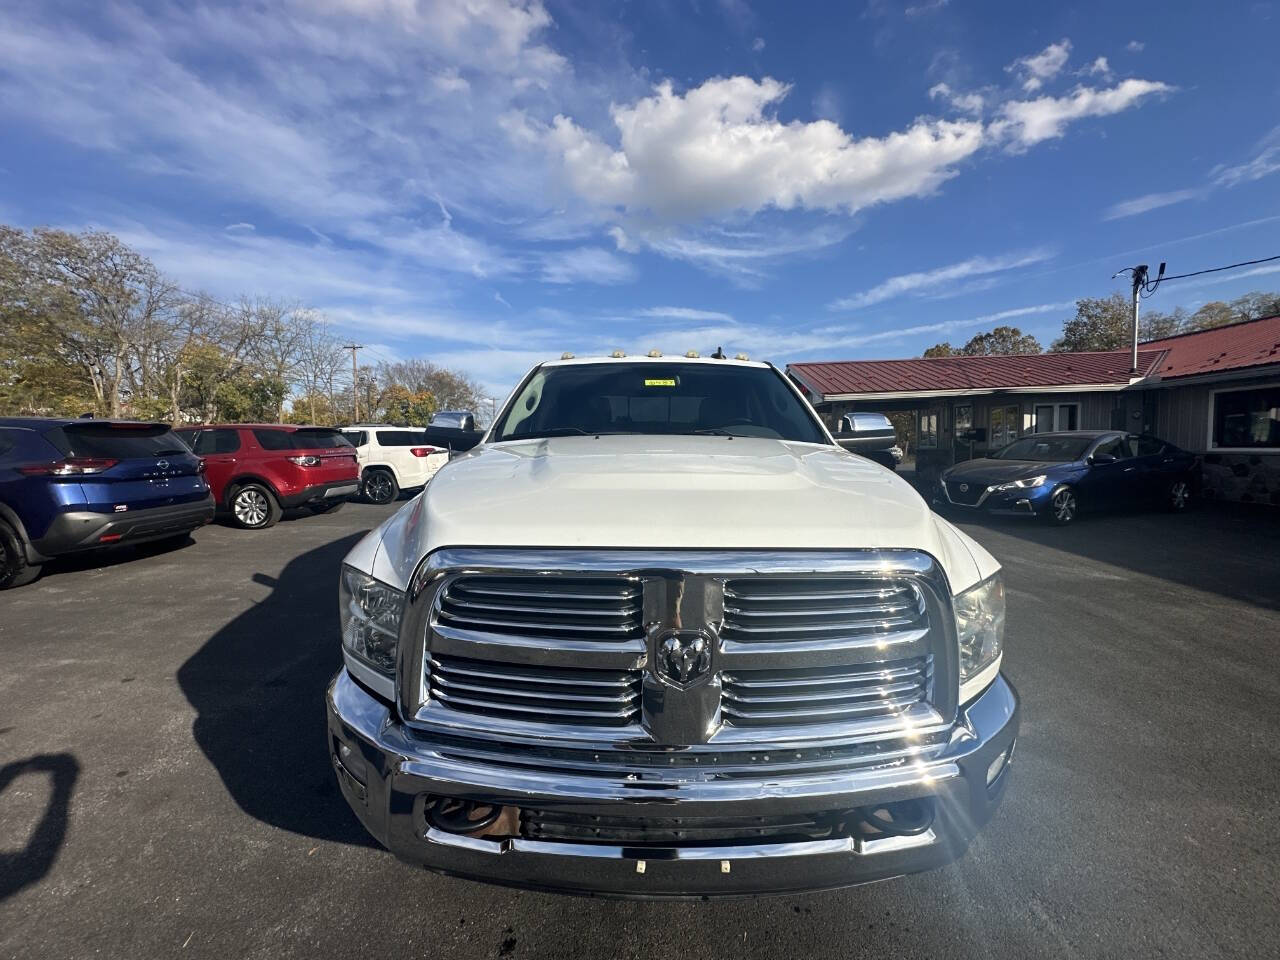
(15, 571)
(1064, 507)
(328, 506)
(1179, 496)
(254, 507)
(379, 486)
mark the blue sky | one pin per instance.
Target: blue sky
(487, 183)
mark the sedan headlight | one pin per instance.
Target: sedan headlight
(370, 612)
(1022, 484)
(980, 627)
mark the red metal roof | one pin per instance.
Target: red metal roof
(1241, 345)
(973, 373)
(1237, 346)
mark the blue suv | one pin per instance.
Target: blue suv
(72, 485)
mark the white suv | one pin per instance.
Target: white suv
(393, 459)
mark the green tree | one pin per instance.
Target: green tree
(1001, 341)
(1100, 323)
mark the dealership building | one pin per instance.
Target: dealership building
(1214, 392)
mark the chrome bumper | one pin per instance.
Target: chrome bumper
(398, 769)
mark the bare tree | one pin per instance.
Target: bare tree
(320, 358)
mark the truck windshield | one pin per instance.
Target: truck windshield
(657, 398)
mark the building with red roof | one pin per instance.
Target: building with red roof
(1215, 392)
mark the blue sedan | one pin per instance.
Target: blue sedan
(1057, 475)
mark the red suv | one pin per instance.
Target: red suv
(257, 470)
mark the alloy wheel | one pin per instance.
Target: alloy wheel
(1064, 506)
(1180, 495)
(378, 488)
(251, 508)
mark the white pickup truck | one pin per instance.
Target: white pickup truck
(659, 636)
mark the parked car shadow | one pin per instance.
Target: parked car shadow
(258, 687)
(1229, 549)
(24, 867)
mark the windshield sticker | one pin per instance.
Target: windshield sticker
(660, 383)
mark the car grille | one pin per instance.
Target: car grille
(767, 698)
(800, 655)
(536, 694)
(967, 497)
(578, 608)
(770, 609)
(564, 826)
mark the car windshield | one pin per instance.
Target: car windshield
(1048, 449)
(657, 398)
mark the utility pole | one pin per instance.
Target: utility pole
(355, 382)
(1139, 278)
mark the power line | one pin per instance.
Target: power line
(1230, 266)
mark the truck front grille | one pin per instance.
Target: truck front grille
(773, 609)
(580, 608)
(765, 698)
(574, 648)
(563, 695)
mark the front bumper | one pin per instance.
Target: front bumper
(1027, 502)
(389, 770)
(86, 529)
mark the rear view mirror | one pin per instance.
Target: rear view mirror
(1100, 458)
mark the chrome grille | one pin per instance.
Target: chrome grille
(774, 609)
(824, 694)
(533, 694)
(578, 608)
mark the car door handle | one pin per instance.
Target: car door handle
(1130, 469)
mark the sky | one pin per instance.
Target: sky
(489, 183)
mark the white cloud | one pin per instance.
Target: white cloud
(1028, 122)
(1045, 65)
(237, 227)
(1264, 162)
(927, 7)
(742, 255)
(586, 265)
(1135, 46)
(930, 280)
(717, 150)
(758, 44)
(684, 313)
(1099, 68)
(968, 102)
(1149, 201)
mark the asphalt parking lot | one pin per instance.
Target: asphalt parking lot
(165, 789)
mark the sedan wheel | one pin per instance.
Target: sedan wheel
(1179, 495)
(1063, 508)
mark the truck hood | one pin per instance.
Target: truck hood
(668, 493)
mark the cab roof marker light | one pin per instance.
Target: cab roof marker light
(566, 355)
(691, 354)
(655, 352)
(741, 356)
(617, 355)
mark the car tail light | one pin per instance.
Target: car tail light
(71, 467)
(305, 461)
(425, 451)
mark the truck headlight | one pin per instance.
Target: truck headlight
(1022, 484)
(980, 627)
(370, 612)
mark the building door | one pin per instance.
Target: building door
(1005, 426)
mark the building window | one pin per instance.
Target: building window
(1245, 419)
(1055, 416)
(1005, 426)
(927, 438)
